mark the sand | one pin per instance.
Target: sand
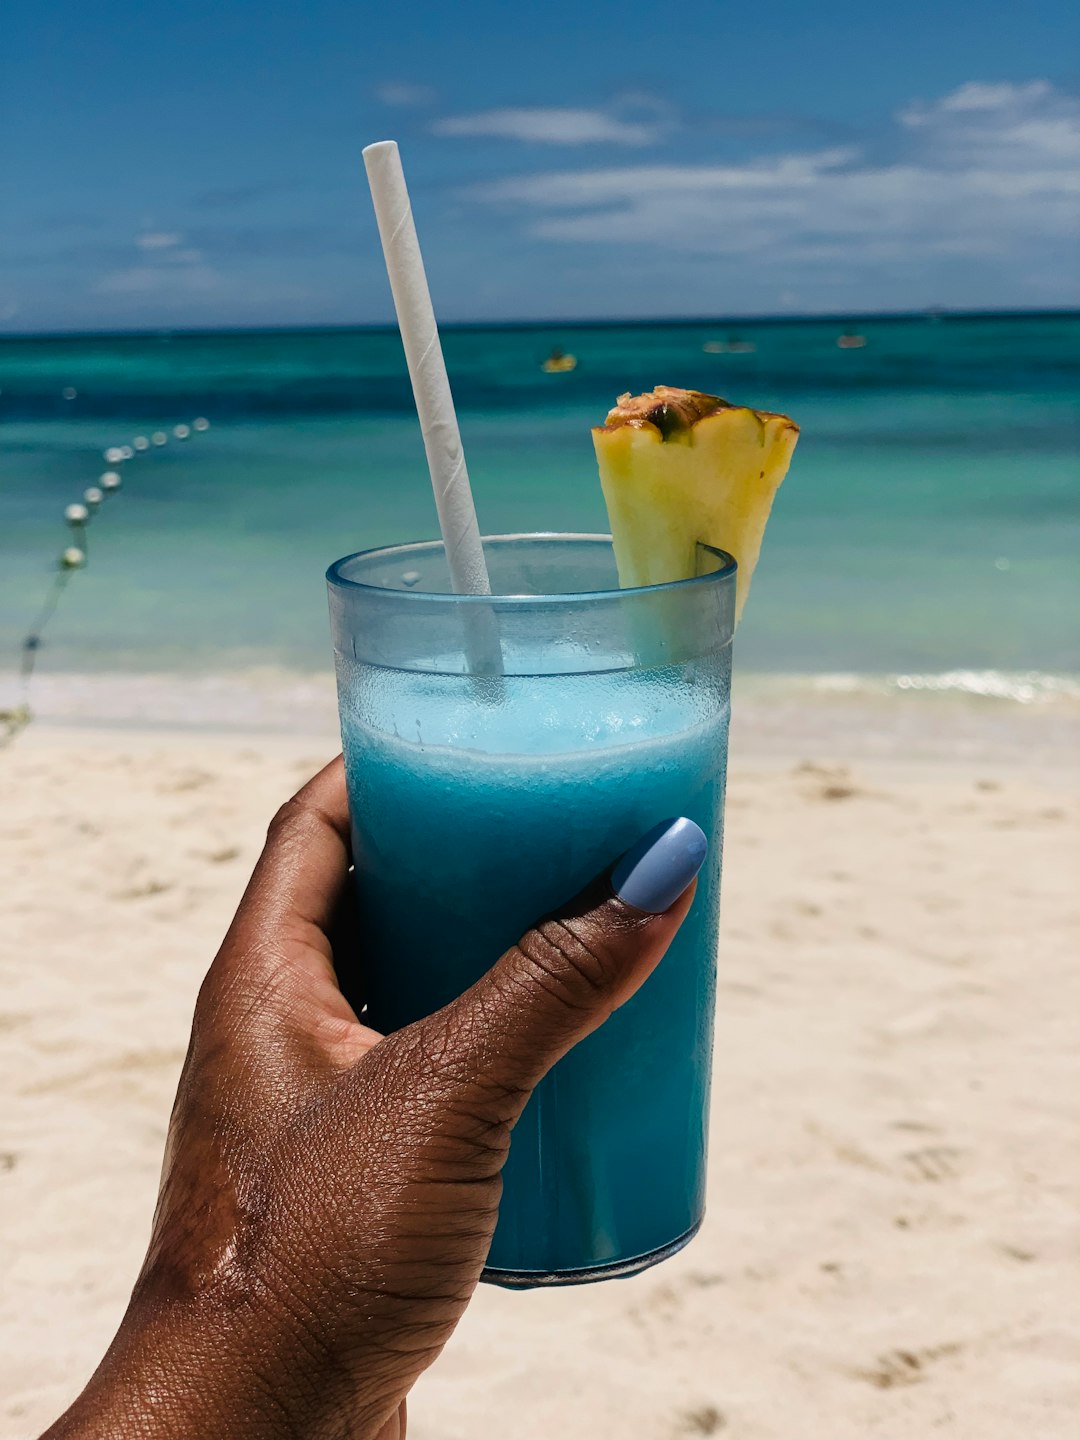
(891, 1244)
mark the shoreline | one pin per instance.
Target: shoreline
(955, 719)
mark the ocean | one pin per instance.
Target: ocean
(927, 535)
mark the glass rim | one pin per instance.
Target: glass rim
(334, 577)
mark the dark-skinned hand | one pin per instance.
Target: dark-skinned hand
(328, 1194)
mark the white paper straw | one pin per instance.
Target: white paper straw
(427, 370)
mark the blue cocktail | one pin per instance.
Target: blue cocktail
(480, 802)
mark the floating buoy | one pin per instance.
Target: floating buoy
(69, 392)
(558, 364)
(74, 557)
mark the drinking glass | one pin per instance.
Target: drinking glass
(485, 793)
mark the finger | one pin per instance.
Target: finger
(279, 936)
(574, 968)
(303, 870)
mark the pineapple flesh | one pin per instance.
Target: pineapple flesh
(678, 467)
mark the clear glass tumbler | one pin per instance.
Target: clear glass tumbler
(480, 801)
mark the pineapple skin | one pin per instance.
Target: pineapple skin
(668, 486)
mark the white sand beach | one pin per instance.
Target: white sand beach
(891, 1243)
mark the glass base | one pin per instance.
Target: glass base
(615, 1270)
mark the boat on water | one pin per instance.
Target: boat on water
(849, 341)
(558, 362)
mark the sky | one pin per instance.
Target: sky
(167, 165)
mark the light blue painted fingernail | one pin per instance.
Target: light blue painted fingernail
(654, 873)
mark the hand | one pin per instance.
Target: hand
(328, 1194)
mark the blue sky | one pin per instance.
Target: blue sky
(199, 163)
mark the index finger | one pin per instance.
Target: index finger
(276, 963)
(277, 956)
(301, 875)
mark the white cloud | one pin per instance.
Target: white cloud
(577, 188)
(977, 96)
(553, 125)
(998, 127)
(402, 93)
(157, 240)
(987, 171)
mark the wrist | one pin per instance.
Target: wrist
(168, 1374)
(178, 1369)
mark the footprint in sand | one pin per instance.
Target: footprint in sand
(844, 1149)
(703, 1420)
(933, 1162)
(832, 782)
(1017, 1252)
(838, 790)
(143, 891)
(904, 1367)
(703, 1280)
(186, 780)
(660, 1304)
(221, 856)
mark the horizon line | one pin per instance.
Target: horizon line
(844, 317)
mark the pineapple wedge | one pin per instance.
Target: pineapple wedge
(677, 467)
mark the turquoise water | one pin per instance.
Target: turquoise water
(517, 803)
(931, 519)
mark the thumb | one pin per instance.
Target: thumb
(568, 973)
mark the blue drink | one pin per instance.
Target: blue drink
(480, 803)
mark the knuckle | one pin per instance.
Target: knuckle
(302, 814)
(288, 820)
(573, 967)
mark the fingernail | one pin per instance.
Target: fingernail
(654, 873)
